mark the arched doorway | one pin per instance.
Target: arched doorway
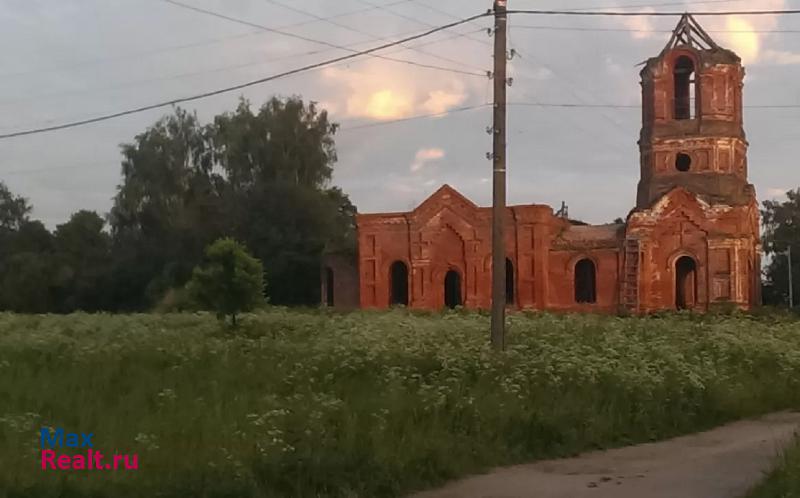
(685, 283)
(398, 291)
(585, 281)
(329, 286)
(509, 282)
(452, 289)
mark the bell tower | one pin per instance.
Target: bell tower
(692, 131)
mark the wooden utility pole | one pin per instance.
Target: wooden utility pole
(791, 283)
(499, 178)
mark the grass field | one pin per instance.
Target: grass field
(784, 482)
(366, 404)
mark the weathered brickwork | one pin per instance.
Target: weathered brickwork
(692, 241)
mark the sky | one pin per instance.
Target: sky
(65, 60)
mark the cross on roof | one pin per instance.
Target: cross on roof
(689, 32)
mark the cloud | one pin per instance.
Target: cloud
(742, 38)
(776, 192)
(425, 156)
(742, 35)
(781, 57)
(383, 104)
(380, 90)
(641, 26)
(441, 100)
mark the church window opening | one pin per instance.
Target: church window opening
(685, 90)
(585, 282)
(683, 162)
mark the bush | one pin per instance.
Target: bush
(229, 282)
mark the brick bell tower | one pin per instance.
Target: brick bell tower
(692, 134)
(692, 242)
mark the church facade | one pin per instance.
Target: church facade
(691, 241)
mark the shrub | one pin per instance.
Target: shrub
(230, 281)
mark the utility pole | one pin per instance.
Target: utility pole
(791, 286)
(499, 177)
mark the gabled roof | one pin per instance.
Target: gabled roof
(445, 194)
(688, 32)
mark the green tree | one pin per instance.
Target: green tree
(781, 225)
(260, 175)
(14, 210)
(26, 269)
(83, 259)
(166, 211)
(230, 281)
(278, 161)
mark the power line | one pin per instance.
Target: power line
(662, 4)
(136, 83)
(173, 48)
(370, 35)
(628, 30)
(343, 128)
(581, 105)
(652, 14)
(313, 40)
(414, 118)
(241, 85)
(434, 9)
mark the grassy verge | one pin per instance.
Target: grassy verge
(365, 404)
(783, 482)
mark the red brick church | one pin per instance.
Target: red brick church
(691, 242)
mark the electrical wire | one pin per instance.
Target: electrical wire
(423, 23)
(369, 35)
(313, 40)
(651, 5)
(184, 46)
(414, 118)
(651, 14)
(240, 86)
(145, 81)
(628, 30)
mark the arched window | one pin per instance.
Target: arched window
(509, 282)
(585, 282)
(685, 90)
(452, 289)
(685, 283)
(329, 286)
(398, 274)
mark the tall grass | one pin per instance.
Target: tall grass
(783, 482)
(365, 404)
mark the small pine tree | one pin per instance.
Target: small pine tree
(230, 281)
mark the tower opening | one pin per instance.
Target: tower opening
(329, 286)
(685, 283)
(452, 289)
(685, 90)
(585, 281)
(509, 282)
(398, 274)
(683, 162)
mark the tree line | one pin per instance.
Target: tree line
(261, 177)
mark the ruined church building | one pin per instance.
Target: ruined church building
(691, 241)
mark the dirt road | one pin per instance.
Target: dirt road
(722, 463)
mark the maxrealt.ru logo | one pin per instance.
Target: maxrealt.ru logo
(51, 440)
